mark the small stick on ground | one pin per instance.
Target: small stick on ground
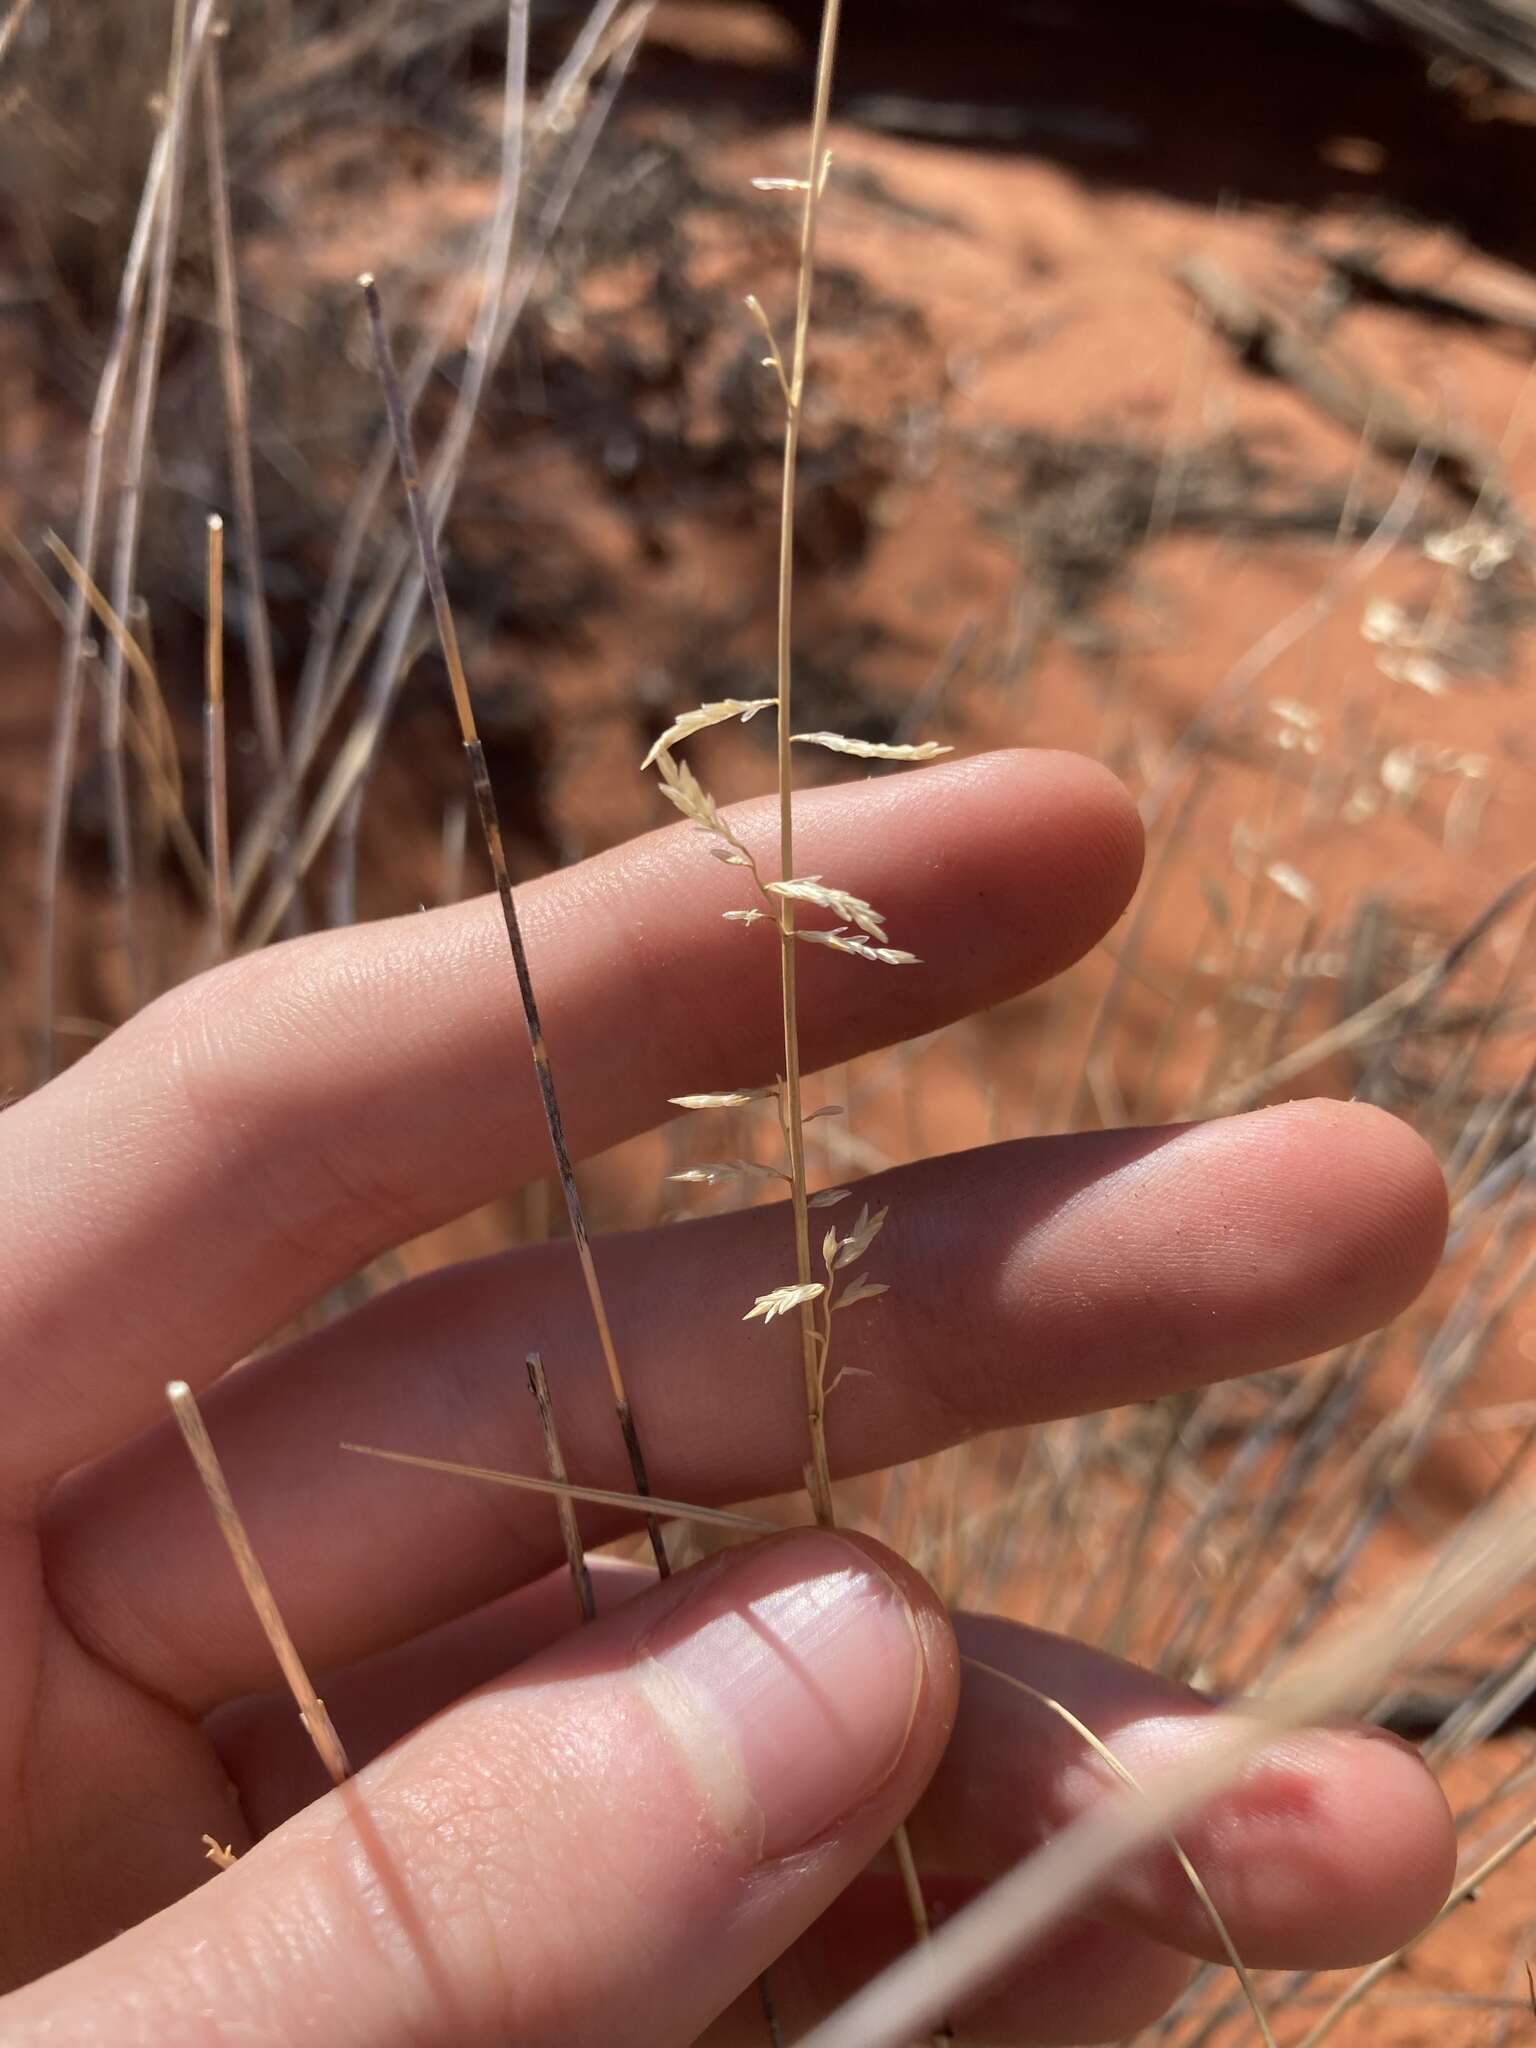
(214, 758)
(312, 1711)
(442, 611)
(581, 1578)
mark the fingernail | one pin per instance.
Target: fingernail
(791, 1679)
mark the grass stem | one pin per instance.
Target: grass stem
(215, 767)
(432, 576)
(554, 1457)
(312, 1710)
(646, 1504)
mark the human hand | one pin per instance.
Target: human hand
(605, 1835)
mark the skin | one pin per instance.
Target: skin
(606, 1835)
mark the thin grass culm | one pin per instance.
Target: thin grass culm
(1106, 1756)
(860, 931)
(312, 1709)
(215, 758)
(1428, 1610)
(794, 414)
(554, 1458)
(649, 1505)
(485, 801)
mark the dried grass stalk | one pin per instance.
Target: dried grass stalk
(237, 414)
(312, 1709)
(1462, 1582)
(648, 1504)
(214, 754)
(570, 1529)
(61, 760)
(485, 799)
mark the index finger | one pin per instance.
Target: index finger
(255, 1137)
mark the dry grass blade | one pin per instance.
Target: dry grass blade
(1365, 1025)
(1460, 1584)
(794, 1126)
(10, 28)
(497, 312)
(237, 413)
(189, 39)
(554, 1457)
(214, 755)
(646, 1504)
(312, 1711)
(485, 799)
(1127, 1778)
(323, 686)
(61, 761)
(156, 763)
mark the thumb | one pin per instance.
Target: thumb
(606, 1846)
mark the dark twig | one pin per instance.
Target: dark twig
(581, 1578)
(442, 611)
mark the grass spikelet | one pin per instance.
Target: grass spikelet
(783, 1299)
(716, 1171)
(872, 750)
(734, 1099)
(720, 713)
(841, 902)
(839, 941)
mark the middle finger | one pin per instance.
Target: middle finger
(1030, 1280)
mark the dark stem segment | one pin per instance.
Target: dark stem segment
(490, 823)
(770, 2012)
(554, 1457)
(485, 799)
